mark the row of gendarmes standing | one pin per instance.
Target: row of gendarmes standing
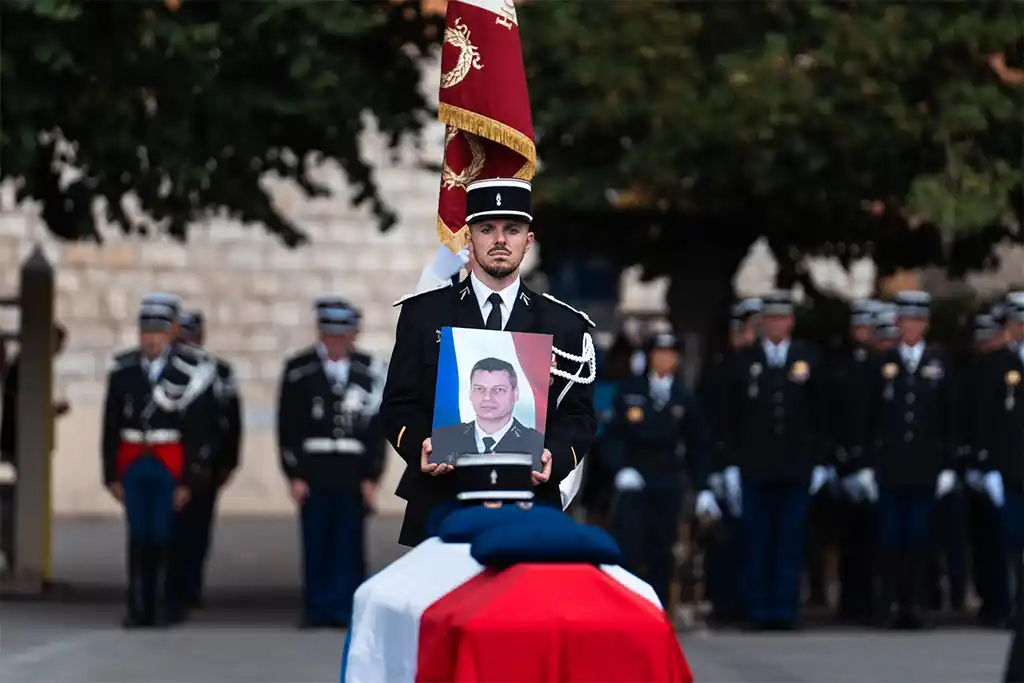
(169, 429)
(887, 430)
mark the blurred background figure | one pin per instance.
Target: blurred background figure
(654, 432)
(194, 523)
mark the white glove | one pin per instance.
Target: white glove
(439, 273)
(629, 479)
(993, 484)
(707, 506)
(975, 479)
(868, 485)
(852, 488)
(733, 490)
(819, 477)
(716, 482)
(945, 483)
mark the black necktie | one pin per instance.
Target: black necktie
(494, 317)
(488, 444)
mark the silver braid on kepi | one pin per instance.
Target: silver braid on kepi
(588, 358)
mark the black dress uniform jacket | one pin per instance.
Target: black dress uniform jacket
(230, 401)
(9, 418)
(652, 436)
(778, 416)
(449, 442)
(329, 434)
(713, 396)
(850, 382)
(912, 419)
(1000, 416)
(408, 406)
(130, 405)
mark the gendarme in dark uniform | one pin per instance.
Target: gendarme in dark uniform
(158, 438)
(499, 216)
(724, 556)
(332, 452)
(656, 434)
(777, 434)
(999, 458)
(912, 439)
(855, 519)
(195, 521)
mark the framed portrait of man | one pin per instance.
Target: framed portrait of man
(492, 394)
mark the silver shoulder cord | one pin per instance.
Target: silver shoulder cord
(570, 486)
(200, 377)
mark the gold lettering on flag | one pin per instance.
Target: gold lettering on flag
(508, 15)
(469, 56)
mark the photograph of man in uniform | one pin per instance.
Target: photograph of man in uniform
(493, 392)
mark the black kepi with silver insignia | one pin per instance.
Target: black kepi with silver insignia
(492, 479)
(913, 304)
(499, 198)
(335, 315)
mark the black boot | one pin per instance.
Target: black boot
(163, 593)
(915, 612)
(135, 613)
(147, 574)
(887, 610)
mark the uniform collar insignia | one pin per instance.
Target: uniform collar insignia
(464, 292)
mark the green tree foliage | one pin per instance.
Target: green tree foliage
(188, 109)
(838, 128)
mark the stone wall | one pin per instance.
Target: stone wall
(256, 295)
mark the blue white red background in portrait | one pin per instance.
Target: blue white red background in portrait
(461, 348)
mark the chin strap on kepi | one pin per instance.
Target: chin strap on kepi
(587, 359)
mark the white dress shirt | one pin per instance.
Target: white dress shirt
(336, 370)
(497, 436)
(154, 367)
(661, 388)
(508, 298)
(776, 353)
(911, 355)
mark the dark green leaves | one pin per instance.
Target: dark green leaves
(189, 109)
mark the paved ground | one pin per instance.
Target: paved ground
(246, 634)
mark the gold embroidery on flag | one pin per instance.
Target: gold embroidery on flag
(467, 175)
(469, 56)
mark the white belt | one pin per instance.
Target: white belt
(348, 445)
(153, 436)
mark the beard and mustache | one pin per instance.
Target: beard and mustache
(499, 270)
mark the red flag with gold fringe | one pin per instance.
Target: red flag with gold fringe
(485, 106)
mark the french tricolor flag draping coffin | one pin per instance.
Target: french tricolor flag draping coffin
(529, 354)
(557, 623)
(485, 106)
(400, 628)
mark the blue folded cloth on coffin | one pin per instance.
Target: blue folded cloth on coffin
(540, 541)
(464, 525)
